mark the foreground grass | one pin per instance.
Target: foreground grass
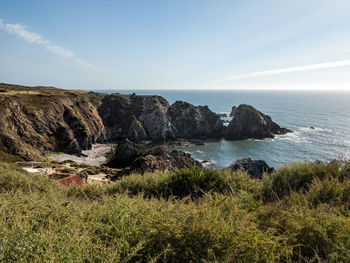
(299, 213)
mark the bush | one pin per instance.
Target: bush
(298, 176)
(13, 178)
(9, 158)
(220, 217)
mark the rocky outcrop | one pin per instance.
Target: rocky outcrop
(160, 159)
(135, 117)
(233, 111)
(251, 123)
(35, 121)
(194, 121)
(136, 132)
(124, 154)
(255, 168)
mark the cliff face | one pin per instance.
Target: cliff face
(35, 120)
(136, 117)
(195, 121)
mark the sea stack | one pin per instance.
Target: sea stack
(248, 122)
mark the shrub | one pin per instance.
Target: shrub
(220, 218)
(13, 178)
(9, 158)
(295, 177)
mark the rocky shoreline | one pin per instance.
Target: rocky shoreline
(35, 121)
(122, 133)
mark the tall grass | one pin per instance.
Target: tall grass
(192, 215)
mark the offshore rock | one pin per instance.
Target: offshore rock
(251, 123)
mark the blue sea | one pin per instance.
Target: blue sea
(328, 112)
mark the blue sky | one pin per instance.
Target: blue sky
(182, 44)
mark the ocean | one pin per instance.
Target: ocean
(327, 111)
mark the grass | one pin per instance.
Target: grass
(298, 214)
(5, 157)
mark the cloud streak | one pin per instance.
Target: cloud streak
(23, 33)
(334, 64)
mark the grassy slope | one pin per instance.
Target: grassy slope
(300, 213)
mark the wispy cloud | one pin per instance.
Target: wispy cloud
(23, 33)
(334, 64)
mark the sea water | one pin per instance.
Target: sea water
(328, 112)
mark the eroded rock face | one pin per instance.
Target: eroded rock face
(37, 120)
(162, 160)
(255, 168)
(195, 121)
(251, 123)
(233, 111)
(137, 132)
(135, 117)
(34, 121)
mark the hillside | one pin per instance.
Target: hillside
(298, 214)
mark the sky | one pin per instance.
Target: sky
(182, 44)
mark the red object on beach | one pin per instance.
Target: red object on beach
(73, 179)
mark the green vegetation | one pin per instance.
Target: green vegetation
(9, 158)
(299, 213)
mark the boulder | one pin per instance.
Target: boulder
(160, 159)
(233, 111)
(193, 122)
(124, 154)
(255, 168)
(251, 123)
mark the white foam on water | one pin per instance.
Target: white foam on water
(296, 136)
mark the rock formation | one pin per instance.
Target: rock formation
(233, 111)
(135, 158)
(37, 120)
(255, 168)
(194, 121)
(135, 117)
(251, 123)
(125, 153)
(160, 159)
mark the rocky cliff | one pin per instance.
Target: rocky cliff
(37, 120)
(192, 121)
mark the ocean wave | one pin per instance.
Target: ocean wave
(296, 136)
